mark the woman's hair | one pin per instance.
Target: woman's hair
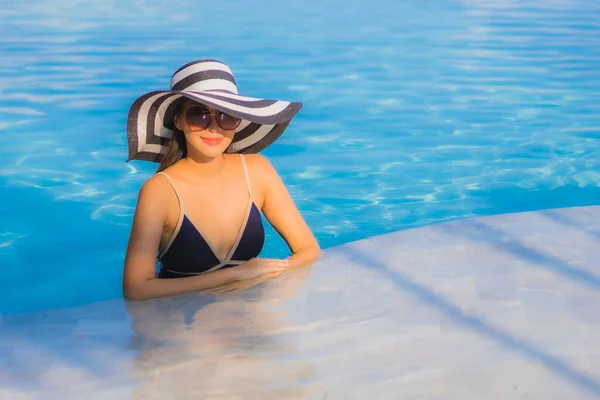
(176, 146)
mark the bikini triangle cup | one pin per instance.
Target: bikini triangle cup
(248, 243)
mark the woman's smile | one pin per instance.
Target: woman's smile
(212, 141)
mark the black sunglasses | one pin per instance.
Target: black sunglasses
(200, 118)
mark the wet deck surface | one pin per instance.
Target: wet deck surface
(503, 307)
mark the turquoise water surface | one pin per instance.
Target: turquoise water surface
(415, 113)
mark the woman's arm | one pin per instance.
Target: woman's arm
(281, 212)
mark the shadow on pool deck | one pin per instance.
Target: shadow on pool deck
(561, 218)
(481, 232)
(477, 231)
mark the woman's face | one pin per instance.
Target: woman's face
(204, 136)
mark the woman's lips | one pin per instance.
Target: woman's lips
(212, 141)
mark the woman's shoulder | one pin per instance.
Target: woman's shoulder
(154, 188)
(263, 174)
(260, 164)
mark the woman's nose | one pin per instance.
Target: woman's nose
(214, 126)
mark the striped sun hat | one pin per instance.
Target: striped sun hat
(211, 83)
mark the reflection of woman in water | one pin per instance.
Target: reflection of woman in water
(201, 213)
(234, 345)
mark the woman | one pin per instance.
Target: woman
(201, 212)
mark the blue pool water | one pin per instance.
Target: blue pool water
(415, 113)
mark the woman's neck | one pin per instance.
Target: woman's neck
(206, 168)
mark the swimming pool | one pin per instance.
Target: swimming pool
(414, 114)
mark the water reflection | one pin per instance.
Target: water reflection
(231, 343)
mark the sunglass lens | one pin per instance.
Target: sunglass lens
(198, 117)
(227, 121)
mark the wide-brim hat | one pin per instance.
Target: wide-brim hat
(211, 83)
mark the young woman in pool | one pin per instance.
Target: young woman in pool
(201, 212)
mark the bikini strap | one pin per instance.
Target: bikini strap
(174, 189)
(179, 220)
(247, 176)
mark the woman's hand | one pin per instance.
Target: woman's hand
(259, 266)
(238, 286)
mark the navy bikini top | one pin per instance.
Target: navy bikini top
(189, 253)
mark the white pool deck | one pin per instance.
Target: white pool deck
(502, 307)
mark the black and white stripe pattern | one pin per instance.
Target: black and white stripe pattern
(211, 83)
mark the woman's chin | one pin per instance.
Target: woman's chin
(211, 151)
